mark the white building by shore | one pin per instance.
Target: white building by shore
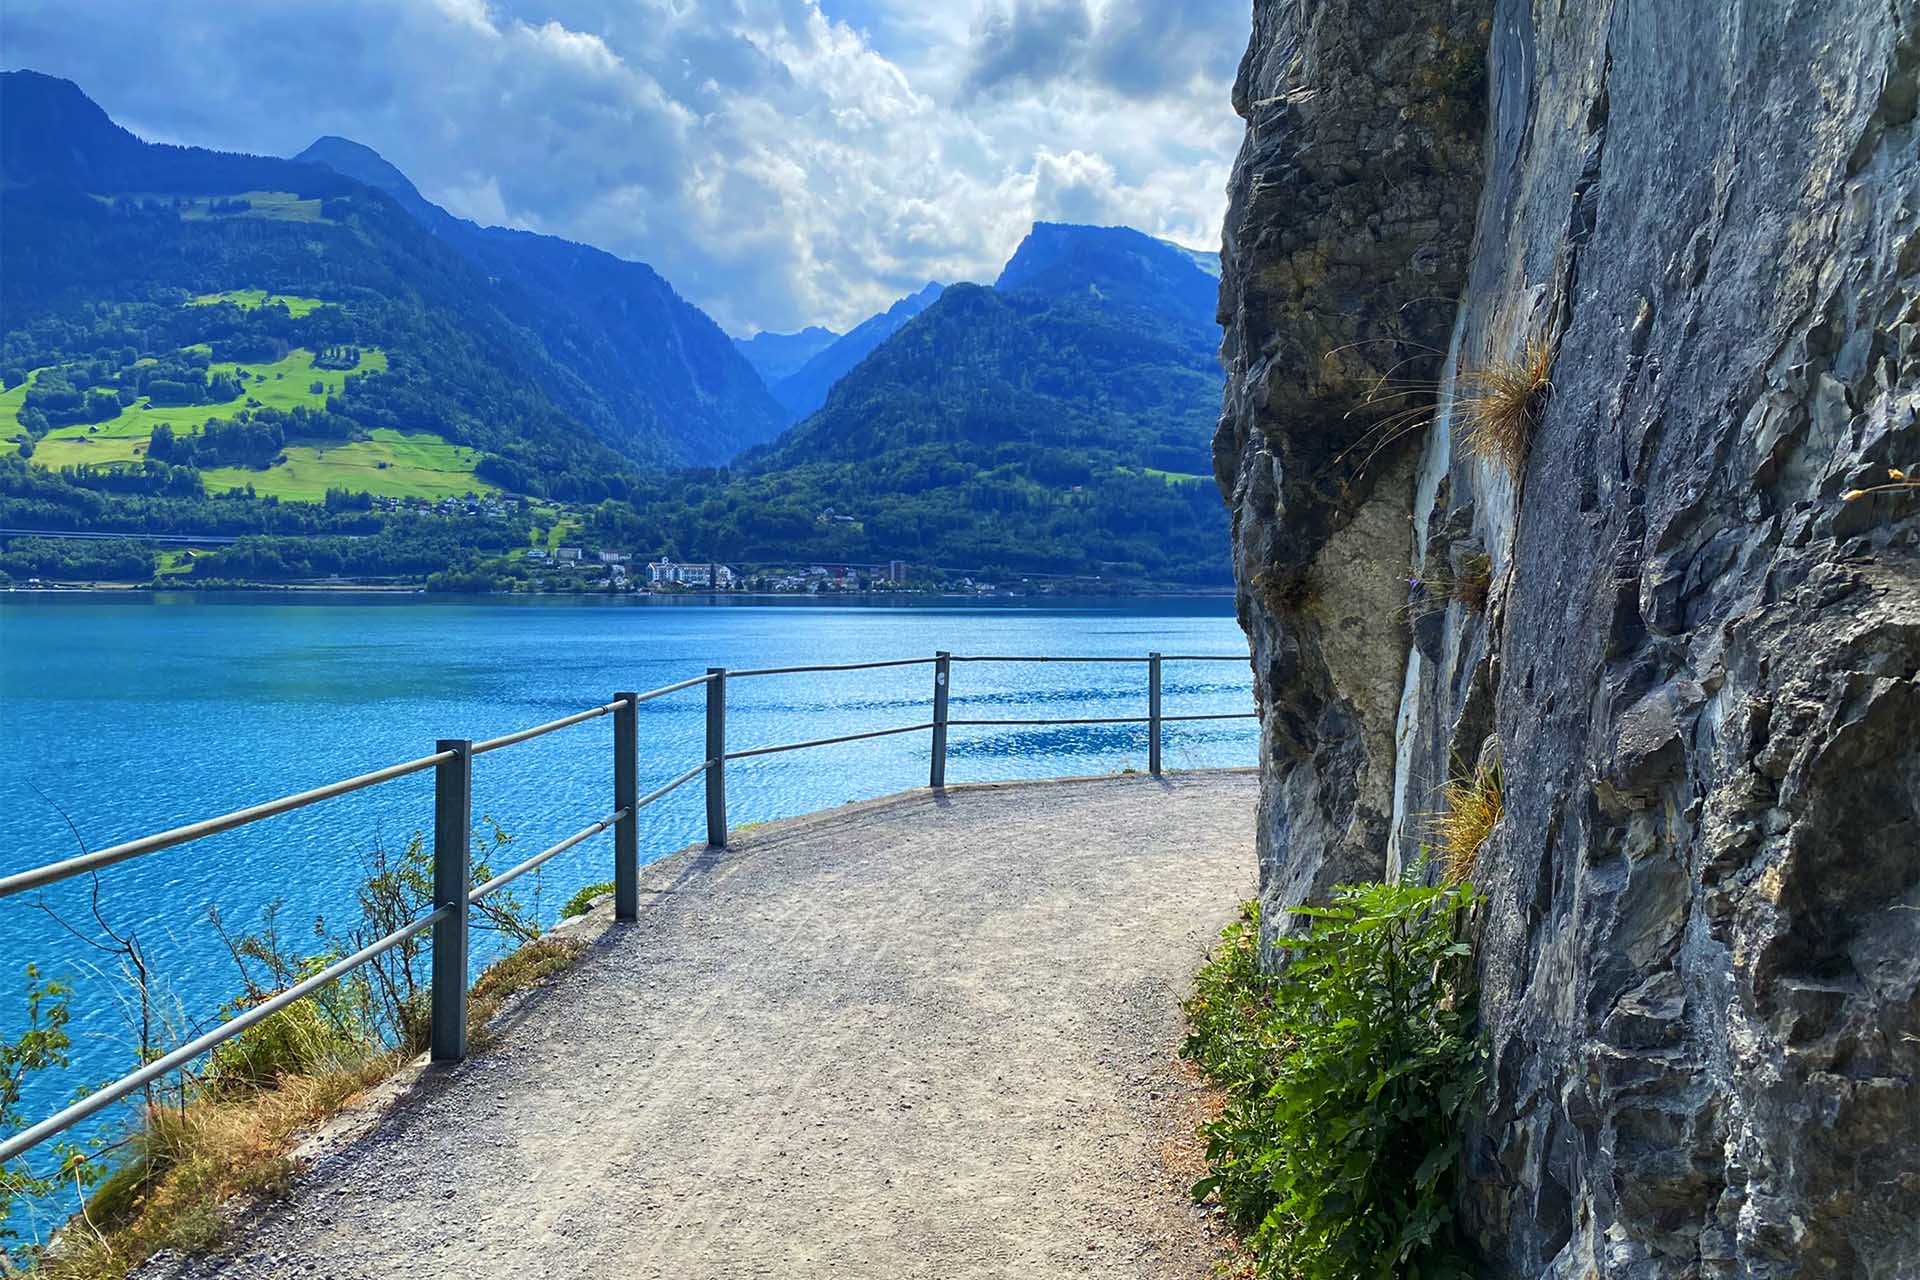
(714, 577)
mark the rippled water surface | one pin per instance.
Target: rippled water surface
(123, 716)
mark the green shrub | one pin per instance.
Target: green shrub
(1227, 1015)
(43, 1045)
(580, 902)
(1348, 1074)
(324, 1032)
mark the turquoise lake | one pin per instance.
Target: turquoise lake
(128, 715)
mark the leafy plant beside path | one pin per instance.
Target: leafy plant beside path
(1349, 1071)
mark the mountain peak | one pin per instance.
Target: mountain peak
(50, 129)
(1119, 265)
(779, 355)
(914, 303)
(362, 163)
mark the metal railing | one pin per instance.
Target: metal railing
(453, 890)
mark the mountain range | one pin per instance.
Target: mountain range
(776, 355)
(1056, 421)
(605, 342)
(666, 367)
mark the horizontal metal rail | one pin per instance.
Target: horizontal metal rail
(1139, 657)
(1205, 657)
(1223, 715)
(54, 872)
(977, 724)
(680, 781)
(1228, 715)
(545, 856)
(827, 742)
(666, 689)
(61, 1121)
(541, 730)
(1034, 657)
(832, 666)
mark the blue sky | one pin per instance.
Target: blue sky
(783, 162)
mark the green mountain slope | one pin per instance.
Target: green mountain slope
(1058, 426)
(1120, 268)
(805, 389)
(110, 242)
(676, 386)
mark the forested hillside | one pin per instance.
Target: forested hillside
(676, 388)
(804, 390)
(1057, 425)
(121, 257)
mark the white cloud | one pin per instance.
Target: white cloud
(779, 164)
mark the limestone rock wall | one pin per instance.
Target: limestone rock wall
(1351, 209)
(1699, 666)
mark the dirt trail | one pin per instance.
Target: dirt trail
(923, 1037)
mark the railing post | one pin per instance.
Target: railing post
(942, 669)
(452, 829)
(717, 757)
(1153, 714)
(626, 790)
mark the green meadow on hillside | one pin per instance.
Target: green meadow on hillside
(12, 401)
(280, 384)
(274, 206)
(388, 464)
(252, 299)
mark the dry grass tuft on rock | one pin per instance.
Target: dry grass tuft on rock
(1499, 404)
(1474, 583)
(1470, 586)
(1473, 809)
(1286, 592)
(1898, 481)
(1394, 407)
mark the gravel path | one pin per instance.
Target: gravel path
(922, 1037)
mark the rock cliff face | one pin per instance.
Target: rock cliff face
(1698, 666)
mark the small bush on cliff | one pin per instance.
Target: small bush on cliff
(1500, 403)
(1287, 592)
(1348, 1073)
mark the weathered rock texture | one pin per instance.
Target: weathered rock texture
(1699, 666)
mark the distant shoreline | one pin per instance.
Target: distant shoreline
(321, 590)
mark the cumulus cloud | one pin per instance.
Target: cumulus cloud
(782, 162)
(1030, 41)
(1137, 50)
(1078, 187)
